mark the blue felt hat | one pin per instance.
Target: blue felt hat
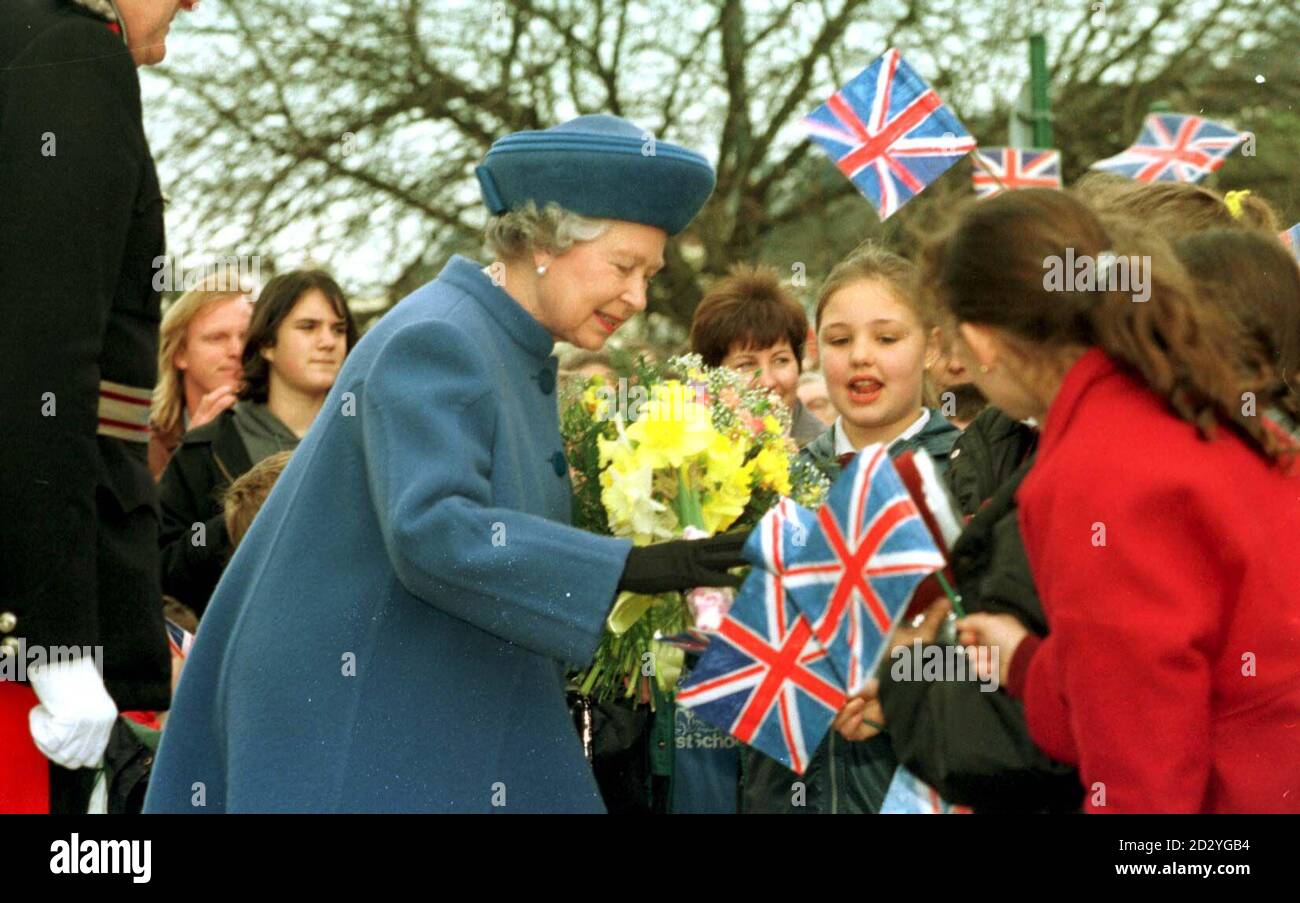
(598, 166)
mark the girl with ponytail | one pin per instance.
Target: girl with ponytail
(1167, 586)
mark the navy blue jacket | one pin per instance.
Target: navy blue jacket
(421, 532)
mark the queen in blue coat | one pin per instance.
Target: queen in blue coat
(392, 633)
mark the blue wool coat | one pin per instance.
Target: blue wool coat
(420, 531)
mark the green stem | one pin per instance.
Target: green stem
(953, 596)
(688, 502)
(590, 682)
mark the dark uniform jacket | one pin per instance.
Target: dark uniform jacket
(208, 460)
(80, 227)
(971, 745)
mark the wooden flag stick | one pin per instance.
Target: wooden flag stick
(979, 161)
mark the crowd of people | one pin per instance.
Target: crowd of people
(357, 550)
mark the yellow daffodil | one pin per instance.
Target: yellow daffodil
(627, 494)
(726, 482)
(672, 427)
(627, 611)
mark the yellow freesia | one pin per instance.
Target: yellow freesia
(596, 399)
(773, 469)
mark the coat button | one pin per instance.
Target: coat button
(8, 621)
(9, 646)
(546, 381)
(560, 464)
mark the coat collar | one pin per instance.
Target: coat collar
(1095, 365)
(843, 446)
(505, 311)
(227, 448)
(804, 425)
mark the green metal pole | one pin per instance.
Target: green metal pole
(1039, 80)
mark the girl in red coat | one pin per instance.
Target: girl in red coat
(1161, 519)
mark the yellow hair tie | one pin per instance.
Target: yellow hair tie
(1232, 200)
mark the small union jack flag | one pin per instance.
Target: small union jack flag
(1175, 148)
(1291, 238)
(1016, 168)
(180, 640)
(763, 678)
(909, 795)
(889, 133)
(860, 566)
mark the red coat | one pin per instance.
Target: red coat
(1168, 570)
(24, 770)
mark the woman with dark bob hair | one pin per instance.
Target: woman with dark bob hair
(750, 322)
(299, 335)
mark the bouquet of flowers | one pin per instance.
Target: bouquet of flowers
(678, 450)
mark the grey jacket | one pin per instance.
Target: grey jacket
(806, 426)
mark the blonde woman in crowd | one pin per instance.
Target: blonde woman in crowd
(199, 364)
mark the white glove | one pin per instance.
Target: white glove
(72, 724)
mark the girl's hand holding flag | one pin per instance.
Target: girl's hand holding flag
(862, 716)
(980, 632)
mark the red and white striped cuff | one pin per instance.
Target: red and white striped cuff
(124, 411)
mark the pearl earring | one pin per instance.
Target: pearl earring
(541, 271)
(984, 368)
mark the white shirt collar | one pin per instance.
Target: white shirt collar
(844, 447)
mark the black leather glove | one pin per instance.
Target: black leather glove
(681, 564)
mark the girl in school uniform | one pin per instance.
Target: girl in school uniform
(875, 344)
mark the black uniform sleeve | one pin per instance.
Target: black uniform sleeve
(973, 745)
(974, 748)
(68, 179)
(191, 569)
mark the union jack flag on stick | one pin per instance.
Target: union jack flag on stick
(1175, 148)
(763, 678)
(858, 569)
(916, 470)
(1001, 169)
(889, 133)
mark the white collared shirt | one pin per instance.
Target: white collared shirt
(844, 447)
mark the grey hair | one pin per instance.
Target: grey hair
(516, 233)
